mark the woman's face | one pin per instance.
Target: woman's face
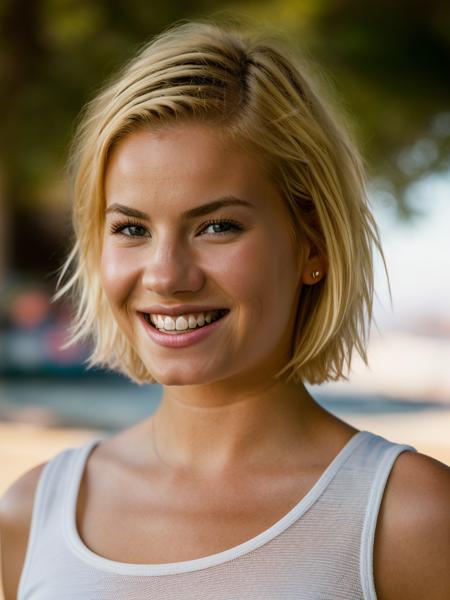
(208, 232)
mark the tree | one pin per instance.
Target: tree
(387, 60)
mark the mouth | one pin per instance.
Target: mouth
(183, 324)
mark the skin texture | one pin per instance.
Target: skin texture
(184, 261)
(220, 400)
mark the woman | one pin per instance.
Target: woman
(224, 249)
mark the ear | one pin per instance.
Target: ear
(314, 268)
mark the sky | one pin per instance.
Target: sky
(409, 352)
(418, 258)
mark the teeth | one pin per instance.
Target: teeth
(183, 322)
(169, 324)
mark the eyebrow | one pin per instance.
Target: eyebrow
(198, 211)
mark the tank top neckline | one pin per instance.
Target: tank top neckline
(77, 545)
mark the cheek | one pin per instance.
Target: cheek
(237, 269)
(260, 273)
(117, 276)
(276, 279)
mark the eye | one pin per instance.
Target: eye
(134, 229)
(221, 226)
(129, 229)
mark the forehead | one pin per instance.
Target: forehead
(188, 163)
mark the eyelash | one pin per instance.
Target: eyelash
(117, 228)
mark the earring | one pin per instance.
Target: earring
(315, 274)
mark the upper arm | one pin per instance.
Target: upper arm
(16, 506)
(412, 540)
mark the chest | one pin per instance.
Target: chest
(157, 520)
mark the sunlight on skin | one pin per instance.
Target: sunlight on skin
(220, 392)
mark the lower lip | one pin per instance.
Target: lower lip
(174, 340)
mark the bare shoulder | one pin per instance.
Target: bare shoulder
(412, 550)
(16, 506)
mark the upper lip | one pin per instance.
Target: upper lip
(180, 309)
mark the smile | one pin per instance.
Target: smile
(184, 323)
(182, 338)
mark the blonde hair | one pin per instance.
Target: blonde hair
(257, 92)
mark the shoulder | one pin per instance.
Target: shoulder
(412, 553)
(16, 506)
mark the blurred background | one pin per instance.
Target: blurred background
(387, 65)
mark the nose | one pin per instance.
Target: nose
(172, 268)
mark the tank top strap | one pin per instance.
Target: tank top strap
(49, 501)
(379, 456)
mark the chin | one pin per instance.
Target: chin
(179, 376)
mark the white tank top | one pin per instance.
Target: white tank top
(322, 549)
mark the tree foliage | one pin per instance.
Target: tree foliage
(387, 60)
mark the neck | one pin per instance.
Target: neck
(215, 428)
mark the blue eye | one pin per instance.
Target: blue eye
(132, 229)
(135, 229)
(222, 226)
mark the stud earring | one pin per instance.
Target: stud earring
(315, 274)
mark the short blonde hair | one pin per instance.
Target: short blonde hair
(257, 92)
